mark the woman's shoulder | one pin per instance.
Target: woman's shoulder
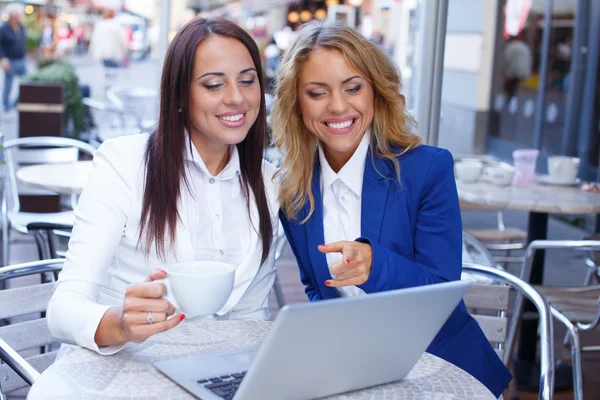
(123, 155)
(129, 148)
(426, 152)
(427, 156)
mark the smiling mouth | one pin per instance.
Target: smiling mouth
(231, 118)
(340, 127)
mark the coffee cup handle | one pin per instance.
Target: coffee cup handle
(169, 292)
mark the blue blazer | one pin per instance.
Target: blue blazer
(414, 228)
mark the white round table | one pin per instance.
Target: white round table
(130, 373)
(64, 178)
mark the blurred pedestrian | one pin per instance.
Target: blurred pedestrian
(47, 39)
(518, 63)
(12, 50)
(108, 44)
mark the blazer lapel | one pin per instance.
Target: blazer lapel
(315, 236)
(376, 183)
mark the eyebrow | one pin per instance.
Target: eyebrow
(223, 74)
(324, 84)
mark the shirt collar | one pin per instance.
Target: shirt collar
(352, 172)
(231, 169)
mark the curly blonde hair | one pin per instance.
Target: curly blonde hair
(391, 127)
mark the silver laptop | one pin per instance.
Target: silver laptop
(324, 348)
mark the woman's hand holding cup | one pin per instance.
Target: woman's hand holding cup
(145, 310)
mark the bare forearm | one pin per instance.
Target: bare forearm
(110, 332)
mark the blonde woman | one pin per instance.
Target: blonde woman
(365, 207)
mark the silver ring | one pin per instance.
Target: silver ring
(150, 318)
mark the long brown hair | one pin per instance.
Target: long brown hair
(392, 126)
(164, 158)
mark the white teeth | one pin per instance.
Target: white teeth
(340, 125)
(232, 118)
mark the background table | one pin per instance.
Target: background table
(540, 201)
(64, 178)
(130, 373)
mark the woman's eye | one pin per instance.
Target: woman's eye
(213, 87)
(315, 95)
(354, 89)
(247, 82)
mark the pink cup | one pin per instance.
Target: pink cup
(525, 161)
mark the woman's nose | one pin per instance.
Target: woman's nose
(337, 103)
(233, 96)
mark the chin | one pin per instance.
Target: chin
(231, 138)
(342, 144)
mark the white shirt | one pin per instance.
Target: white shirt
(220, 227)
(108, 41)
(342, 195)
(104, 258)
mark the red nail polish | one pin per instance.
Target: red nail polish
(347, 262)
(161, 270)
(327, 283)
(181, 317)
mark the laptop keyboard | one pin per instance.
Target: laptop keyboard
(224, 386)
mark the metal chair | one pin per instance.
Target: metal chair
(52, 239)
(495, 298)
(578, 309)
(35, 150)
(501, 238)
(593, 262)
(125, 123)
(475, 252)
(18, 372)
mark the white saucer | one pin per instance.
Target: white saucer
(547, 180)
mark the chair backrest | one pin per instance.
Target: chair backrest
(495, 298)
(31, 334)
(488, 305)
(474, 251)
(40, 150)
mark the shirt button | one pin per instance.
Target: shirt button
(215, 216)
(211, 180)
(221, 252)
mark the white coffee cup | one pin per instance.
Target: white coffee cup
(200, 288)
(468, 171)
(500, 174)
(563, 169)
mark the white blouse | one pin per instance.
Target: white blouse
(342, 196)
(220, 225)
(104, 258)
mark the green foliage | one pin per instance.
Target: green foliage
(62, 72)
(34, 33)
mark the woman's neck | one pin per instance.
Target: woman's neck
(337, 160)
(215, 155)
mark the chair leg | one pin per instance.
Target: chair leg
(278, 292)
(5, 245)
(39, 241)
(43, 254)
(506, 254)
(575, 353)
(576, 360)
